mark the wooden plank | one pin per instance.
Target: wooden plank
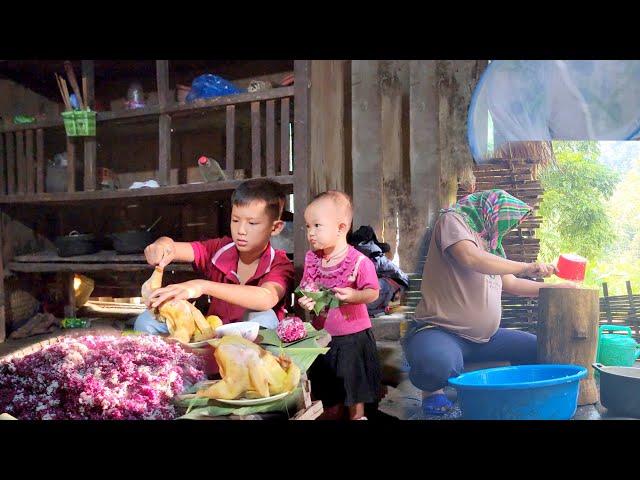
(11, 162)
(366, 148)
(284, 136)
(71, 165)
(173, 193)
(20, 163)
(632, 307)
(256, 153)
(230, 160)
(30, 162)
(39, 160)
(90, 145)
(301, 152)
(186, 108)
(3, 171)
(89, 267)
(271, 140)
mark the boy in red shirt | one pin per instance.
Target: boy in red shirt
(245, 276)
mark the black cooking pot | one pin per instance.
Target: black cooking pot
(620, 390)
(76, 244)
(132, 241)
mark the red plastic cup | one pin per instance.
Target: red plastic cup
(571, 267)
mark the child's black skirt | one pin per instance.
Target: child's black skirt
(349, 372)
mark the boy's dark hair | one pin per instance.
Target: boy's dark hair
(256, 189)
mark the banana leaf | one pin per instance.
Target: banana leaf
(270, 337)
(324, 298)
(212, 408)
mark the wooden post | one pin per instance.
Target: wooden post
(568, 332)
(3, 330)
(20, 162)
(29, 161)
(301, 152)
(633, 319)
(284, 137)
(3, 181)
(164, 130)
(271, 138)
(40, 160)
(90, 148)
(256, 153)
(71, 165)
(607, 305)
(11, 162)
(366, 148)
(230, 161)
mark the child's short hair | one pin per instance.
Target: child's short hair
(342, 202)
(256, 189)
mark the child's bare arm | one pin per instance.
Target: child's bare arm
(264, 297)
(351, 295)
(164, 251)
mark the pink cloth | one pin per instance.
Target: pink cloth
(355, 271)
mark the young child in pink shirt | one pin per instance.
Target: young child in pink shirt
(349, 374)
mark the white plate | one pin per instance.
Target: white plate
(253, 401)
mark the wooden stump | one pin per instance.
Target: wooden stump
(568, 332)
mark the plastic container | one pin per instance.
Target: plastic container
(614, 349)
(80, 123)
(522, 392)
(135, 96)
(571, 267)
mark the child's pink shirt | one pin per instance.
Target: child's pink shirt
(355, 271)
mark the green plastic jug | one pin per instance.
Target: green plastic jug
(615, 349)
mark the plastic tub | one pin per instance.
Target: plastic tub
(523, 392)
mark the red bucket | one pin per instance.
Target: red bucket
(571, 267)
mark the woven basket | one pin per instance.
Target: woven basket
(20, 307)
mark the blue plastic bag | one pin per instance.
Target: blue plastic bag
(209, 85)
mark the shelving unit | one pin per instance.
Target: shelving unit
(22, 167)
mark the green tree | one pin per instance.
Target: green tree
(574, 207)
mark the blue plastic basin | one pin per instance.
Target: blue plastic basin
(522, 392)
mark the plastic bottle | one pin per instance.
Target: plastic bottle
(135, 96)
(210, 169)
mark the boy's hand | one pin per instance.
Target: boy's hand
(161, 252)
(345, 294)
(178, 291)
(538, 270)
(307, 303)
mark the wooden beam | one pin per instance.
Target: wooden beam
(301, 153)
(90, 147)
(366, 148)
(3, 329)
(164, 130)
(256, 151)
(271, 138)
(11, 162)
(40, 160)
(30, 162)
(284, 136)
(230, 160)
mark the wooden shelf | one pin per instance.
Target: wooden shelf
(174, 108)
(105, 260)
(173, 192)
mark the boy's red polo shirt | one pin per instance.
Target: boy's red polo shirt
(218, 259)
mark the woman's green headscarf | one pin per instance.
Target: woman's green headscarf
(491, 213)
